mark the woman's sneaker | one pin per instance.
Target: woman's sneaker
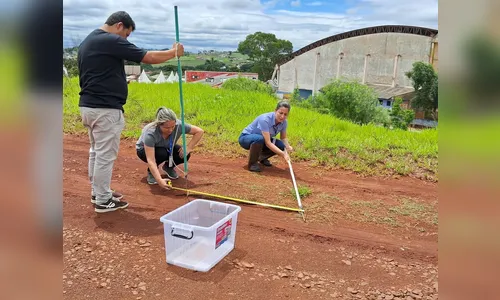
(266, 162)
(109, 206)
(170, 172)
(151, 179)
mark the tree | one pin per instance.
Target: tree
(213, 64)
(265, 50)
(71, 65)
(350, 101)
(147, 67)
(425, 83)
(401, 118)
(246, 67)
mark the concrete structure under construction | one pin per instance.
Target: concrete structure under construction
(376, 56)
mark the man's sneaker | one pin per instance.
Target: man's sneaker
(170, 172)
(109, 206)
(116, 196)
(151, 178)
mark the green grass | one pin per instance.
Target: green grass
(323, 209)
(416, 210)
(194, 60)
(188, 61)
(319, 139)
(405, 213)
(304, 191)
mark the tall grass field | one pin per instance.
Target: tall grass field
(317, 138)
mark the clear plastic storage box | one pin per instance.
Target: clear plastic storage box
(200, 233)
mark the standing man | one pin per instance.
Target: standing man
(103, 93)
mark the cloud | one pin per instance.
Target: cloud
(271, 4)
(222, 24)
(315, 3)
(421, 13)
(295, 3)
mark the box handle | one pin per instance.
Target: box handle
(180, 235)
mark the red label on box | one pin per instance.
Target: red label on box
(223, 232)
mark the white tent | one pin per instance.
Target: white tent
(171, 77)
(144, 78)
(161, 78)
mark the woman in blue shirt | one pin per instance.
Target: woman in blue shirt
(260, 137)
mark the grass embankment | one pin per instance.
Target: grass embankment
(318, 138)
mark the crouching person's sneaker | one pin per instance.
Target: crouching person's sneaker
(170, 172)
(151, 179)
(111, 205)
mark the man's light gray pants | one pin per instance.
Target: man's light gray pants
(105, 126)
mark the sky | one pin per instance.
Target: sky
(222, 24)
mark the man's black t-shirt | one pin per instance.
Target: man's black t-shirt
(101, 58)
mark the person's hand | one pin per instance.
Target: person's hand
(164, 183)
(179, 49)
(289, 148)
(286, 156)
(181, 152)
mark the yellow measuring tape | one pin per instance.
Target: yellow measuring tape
(237, 200)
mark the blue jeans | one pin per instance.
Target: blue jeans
(246, 140)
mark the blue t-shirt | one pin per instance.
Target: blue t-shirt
(266, 122)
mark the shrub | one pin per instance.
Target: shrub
(247, 84)
(401, 118)
(350, 101)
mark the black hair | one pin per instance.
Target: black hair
(283, 103)
(121, 16)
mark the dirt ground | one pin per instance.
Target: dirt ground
(363, 238)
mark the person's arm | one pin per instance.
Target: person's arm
(150, 156)
(273, 147)
(285, 140)
(197, 134)
(158, 57)
(263, 125)
(128, 51)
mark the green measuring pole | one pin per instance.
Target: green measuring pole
(179, 73)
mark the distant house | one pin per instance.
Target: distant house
(198, 76)
(132, 78)
(421, 123)
(217, 81)
(132, 70)
(387, 94)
